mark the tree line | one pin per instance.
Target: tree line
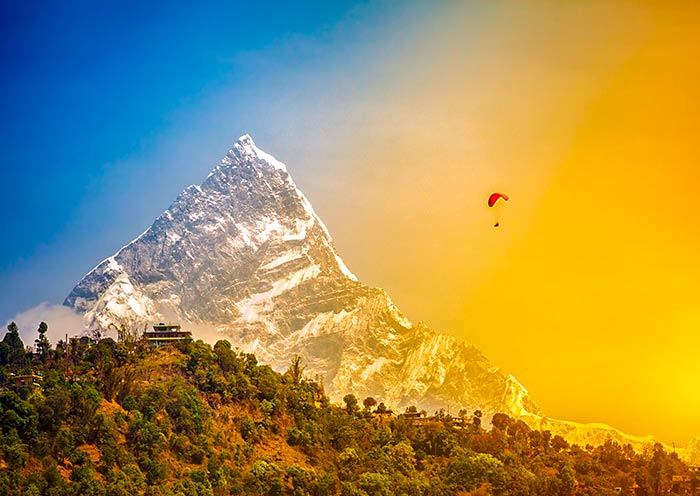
(114, 418)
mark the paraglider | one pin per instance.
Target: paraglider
(495, 201)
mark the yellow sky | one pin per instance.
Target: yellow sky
(588, 115)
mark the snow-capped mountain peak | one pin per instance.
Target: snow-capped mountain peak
(245, 255)
(246, 146)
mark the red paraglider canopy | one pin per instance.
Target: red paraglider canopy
(493, 198)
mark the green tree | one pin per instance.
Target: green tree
(476, 420)
(228, 361)
(369, 402)
(350, 404)
(265, 478)
(43, 347)
(501, 421)
(376, 484)
(658, 469)
(567, 474)
(303, 481)
(296, 370)
(402, 458)
(558, 443)
(16, 354)
(470, 472)
(17, 416)
(4, 353)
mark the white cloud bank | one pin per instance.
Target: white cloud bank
(60, 319)
(64, 321)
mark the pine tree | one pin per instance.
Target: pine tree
(296, 370)
(43, 347)
(16, 355)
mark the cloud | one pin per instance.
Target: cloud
(60, 319)
(64, 321)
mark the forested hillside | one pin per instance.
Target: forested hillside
(101, 417)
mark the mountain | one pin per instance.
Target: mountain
(244, 257)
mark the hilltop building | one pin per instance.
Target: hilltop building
(165, 334)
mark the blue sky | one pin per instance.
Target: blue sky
(111, 108)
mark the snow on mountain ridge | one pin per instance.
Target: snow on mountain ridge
(245, 173)
(245, 146)
(245, 254)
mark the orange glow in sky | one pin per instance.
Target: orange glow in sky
(588, 115)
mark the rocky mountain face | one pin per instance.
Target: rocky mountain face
(244, 257)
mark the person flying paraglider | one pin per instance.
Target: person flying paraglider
(496, 200)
